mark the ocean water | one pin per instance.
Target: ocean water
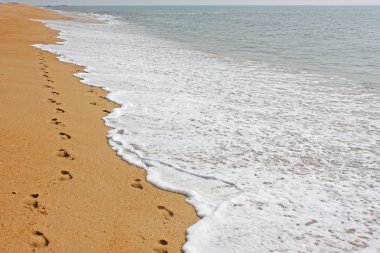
(267, 118)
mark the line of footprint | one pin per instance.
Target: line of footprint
(137, 184)
(65, 175)
(38, 238)
(166, 212)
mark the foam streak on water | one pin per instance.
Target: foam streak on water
(274, 160)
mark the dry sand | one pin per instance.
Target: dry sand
(63, 189)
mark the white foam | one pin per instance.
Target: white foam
(273, 160)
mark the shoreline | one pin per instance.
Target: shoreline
(64, 188)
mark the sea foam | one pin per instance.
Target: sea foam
(273, 160)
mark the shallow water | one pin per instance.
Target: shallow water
(268, 118)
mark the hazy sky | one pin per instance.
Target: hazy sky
(197, 2)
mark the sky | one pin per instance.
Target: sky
(199, 2)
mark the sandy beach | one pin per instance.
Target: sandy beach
(63, 189)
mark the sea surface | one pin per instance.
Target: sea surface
(267, 118)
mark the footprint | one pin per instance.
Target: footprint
(167, 210)
(48, 86)
(65, 175)
(63, 153)
(59, 110)
(93, 103)
(45, 76)
(38, 240)
(137, 185)
(102, 97)
(56, 122)
(55, 93)
(53, 101)
(65, 136)
(106, 111)
(33, 204)
(163, 242)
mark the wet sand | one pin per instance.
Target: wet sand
(63, 189)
